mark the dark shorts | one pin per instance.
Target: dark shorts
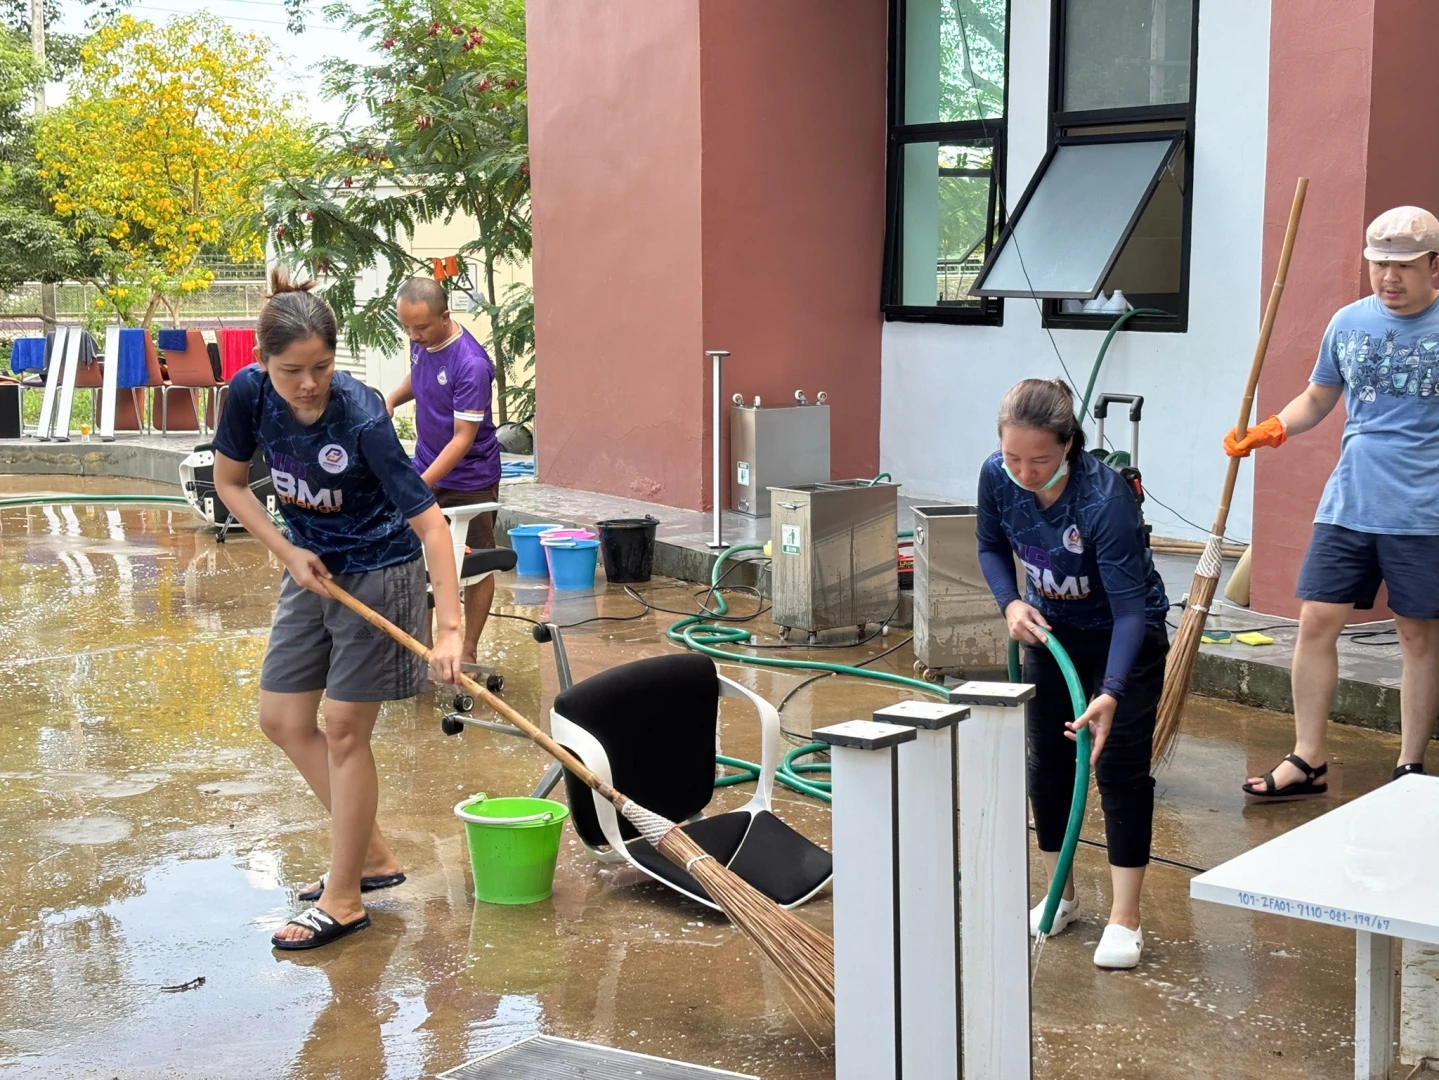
(317, 643)
(1345, 567)
(482, 526)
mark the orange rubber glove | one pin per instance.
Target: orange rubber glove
(1270, 433)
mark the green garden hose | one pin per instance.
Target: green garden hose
(43, 500)
(693, 632)
(1081, 775)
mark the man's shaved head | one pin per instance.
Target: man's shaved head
(427, 291)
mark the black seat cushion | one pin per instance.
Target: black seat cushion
(488, 560)
(780, 862)
(720, 836)
(656, 720)
(485, 561)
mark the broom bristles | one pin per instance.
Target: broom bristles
(803, 955)
(1180, 672)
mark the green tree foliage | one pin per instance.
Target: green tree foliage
(434, 131)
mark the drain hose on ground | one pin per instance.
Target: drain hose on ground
(692, 632)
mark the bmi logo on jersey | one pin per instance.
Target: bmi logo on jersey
(333, 459)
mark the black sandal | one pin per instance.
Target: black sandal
(1308, 788)
(367, 884)
(323, 929)
(1415, 767)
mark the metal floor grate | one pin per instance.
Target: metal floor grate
(545, 1058)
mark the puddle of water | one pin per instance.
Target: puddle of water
(100, 829)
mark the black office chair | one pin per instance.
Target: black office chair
(650, 729)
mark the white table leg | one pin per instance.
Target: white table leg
(1373, 1005)
(867, 933)
(994, 880)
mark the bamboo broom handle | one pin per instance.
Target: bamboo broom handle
(554, 749)
(1271, 311)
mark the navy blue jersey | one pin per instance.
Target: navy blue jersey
(345, 485)
(1085, 556)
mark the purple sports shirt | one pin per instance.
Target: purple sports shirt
(454, 382)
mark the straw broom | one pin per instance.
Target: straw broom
(1185, 647)
(803, 955)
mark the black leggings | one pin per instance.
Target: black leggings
(1126, 790)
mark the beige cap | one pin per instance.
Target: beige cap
(1401, 234)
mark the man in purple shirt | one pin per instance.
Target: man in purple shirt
(456, 453)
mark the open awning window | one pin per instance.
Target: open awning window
(1075, 217)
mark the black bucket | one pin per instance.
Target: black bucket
(627, 546)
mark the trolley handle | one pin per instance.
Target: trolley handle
(1136, 408)
(1134, 401)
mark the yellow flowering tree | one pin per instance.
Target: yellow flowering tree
(162, 154)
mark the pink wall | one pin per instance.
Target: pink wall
(1324, 78)
(793, 102)
(615, 160)
(708, 174)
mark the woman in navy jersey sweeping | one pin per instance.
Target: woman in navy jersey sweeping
(1075, 527)
(360, 515)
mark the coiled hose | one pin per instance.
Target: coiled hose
(692, 632)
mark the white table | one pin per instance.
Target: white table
(1371, 866)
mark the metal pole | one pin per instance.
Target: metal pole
(37, 46)
(717, 355)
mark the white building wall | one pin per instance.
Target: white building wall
(941, 384)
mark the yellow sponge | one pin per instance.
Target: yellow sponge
(1216, 637)
(1254, 637)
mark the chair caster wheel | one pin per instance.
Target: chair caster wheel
(450, 726)
(495, 684)
(463, 702)
(541, 633)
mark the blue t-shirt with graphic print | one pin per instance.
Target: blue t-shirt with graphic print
(345, 485)
(1388, 365)
(1084, 557)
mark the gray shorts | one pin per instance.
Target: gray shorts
(317, 643)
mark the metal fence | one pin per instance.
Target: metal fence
(225, 299)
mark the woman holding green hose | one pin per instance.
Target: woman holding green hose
(1076, 529)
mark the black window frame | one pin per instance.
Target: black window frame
(1061, 125)
(990, 310)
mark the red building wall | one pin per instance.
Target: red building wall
(614, 111)
(792, 98)
(1344, 110)
(708, 174)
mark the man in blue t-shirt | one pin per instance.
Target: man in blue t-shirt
(1379, 517)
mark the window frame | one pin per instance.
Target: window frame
(898, 135)
(1060, 123)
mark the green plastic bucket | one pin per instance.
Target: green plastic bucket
(514, 843)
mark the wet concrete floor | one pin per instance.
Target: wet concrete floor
(150, 836)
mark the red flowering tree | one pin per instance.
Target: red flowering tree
(434, 130)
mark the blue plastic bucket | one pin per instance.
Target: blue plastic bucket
(530, 557)
(572, 563)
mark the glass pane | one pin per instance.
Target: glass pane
(946, 205)
(1078, 215)
(953, 60)
(1148, 269)
(1120, 54)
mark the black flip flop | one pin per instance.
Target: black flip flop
(1415, 767)
(1308, 788)
(323, 928)
(367, 884)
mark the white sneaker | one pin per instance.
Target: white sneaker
(1065, 914)
(1120, 947)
